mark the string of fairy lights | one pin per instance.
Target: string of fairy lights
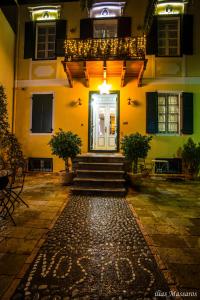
(130, 48)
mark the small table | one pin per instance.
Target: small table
(162, 164)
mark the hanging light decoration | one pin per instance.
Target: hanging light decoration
(104, 88)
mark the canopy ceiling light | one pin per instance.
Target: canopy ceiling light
(104, 88)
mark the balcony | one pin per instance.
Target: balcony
(124, 57)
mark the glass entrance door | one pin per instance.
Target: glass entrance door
(103, 122)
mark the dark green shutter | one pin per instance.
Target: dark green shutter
(29, 40)
(36, 114)
(187, 34)
(187, 113)
(47, 113)
(124, 27)
(86, 28)
(42, 106)
(61, 29)
(151, 112)
(152, 38)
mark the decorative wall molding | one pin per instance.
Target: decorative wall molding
(171, 80)
(41, 82)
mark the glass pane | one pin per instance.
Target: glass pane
(173, 118)
(172, 127)
(173, 109)
(41, 30)
(173, 100)
(161, 109)
(51, 54)
(173, 43)
(41, 54)
(51, 46)
(173, 52)
(51, 30)
(41, 38)
(161, 127)
(112, 124)
(41, 47)
(101, 124)
(51, 38)
(161, 118)
(161, 100)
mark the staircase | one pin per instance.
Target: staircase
(100, 174)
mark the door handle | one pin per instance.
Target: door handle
(105, 129)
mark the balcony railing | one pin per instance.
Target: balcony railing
(131, 48)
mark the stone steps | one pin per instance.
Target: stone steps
(101, 166)
(99, 174)
(99, 182)
(98, 191)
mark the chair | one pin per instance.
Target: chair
(16, 184)
(6, 204)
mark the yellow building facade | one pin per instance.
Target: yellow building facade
(7, 51)
(74, 91)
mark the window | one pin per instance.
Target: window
(40, 164)
(105, 28)
(168, 113)
(42, 108)
(45, 40)
(168, 37)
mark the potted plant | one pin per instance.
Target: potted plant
(191, 158)
(66, 145)
(134, 147)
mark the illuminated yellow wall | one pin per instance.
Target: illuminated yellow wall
(162, 74)
(73, 117)
(7, 44)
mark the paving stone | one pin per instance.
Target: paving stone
(10, 264)
(5, 280)
(168, 241)
(14, 245)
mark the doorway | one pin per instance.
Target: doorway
(104, 122)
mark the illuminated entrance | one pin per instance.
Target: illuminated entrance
(103, 122)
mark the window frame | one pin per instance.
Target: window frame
(44, 24)
(171, 93)
(31, 113)
(167, 18)
(106, 21)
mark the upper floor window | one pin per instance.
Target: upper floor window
(45, 40)
(169, 37)
(105, 28)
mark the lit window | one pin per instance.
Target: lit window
(105, 28)
(168, 113)
(168, 37)
(45, 40)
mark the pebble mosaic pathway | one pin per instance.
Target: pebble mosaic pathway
(95, 251)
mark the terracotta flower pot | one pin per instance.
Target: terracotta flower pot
(66, 178)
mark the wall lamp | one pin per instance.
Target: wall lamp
(79, 101)
(132, 102)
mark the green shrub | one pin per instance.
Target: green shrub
(135, 146)
(65, 145)
(191, 157)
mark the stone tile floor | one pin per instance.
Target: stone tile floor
(170, 215)
(169, 212)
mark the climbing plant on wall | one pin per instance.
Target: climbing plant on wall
(10, 148)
